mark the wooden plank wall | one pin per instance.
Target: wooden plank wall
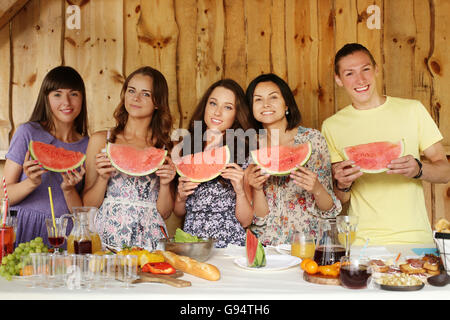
(195, 42)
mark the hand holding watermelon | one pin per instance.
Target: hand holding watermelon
(405, 165)
(345, 173)
(166, 172)
(185, 188)
(235, 174)
(71, 178)
(33, 169)
(306, 179)
(103, 166)
(256, 177)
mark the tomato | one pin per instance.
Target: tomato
(158, 268)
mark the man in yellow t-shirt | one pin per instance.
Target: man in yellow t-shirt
(390, 205)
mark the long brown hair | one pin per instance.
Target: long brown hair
(242, 119)
(62, 77)
(161, 123)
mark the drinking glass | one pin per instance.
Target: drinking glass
(45, 267)
(6, 241)
(74, 270)
(94, 271)
(57, 270)
(38, 269)
(354, 272)
(56, 232)
(303, 245)
(109, 272)
(130, 270)
(7, 230)
(28, 271)
(347, 231)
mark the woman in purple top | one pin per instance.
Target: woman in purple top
(59, 118)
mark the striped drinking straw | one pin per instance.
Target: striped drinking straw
(6, 202)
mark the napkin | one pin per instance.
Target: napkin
(424, 251)
(234, 250)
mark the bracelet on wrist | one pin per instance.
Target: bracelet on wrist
(417, 176)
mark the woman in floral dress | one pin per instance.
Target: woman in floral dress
(285, 204)
(218, 208)
(132, 209)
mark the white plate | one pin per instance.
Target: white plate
(273, 263)
(283, 248)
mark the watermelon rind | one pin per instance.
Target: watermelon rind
(365, 170)
(74, 165)
(256, 256)
(267, 170)
(212, 176)
(150, 170)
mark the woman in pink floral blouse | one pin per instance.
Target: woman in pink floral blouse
(285, 204)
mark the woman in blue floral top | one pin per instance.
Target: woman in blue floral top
(218, 208)
(285, 204)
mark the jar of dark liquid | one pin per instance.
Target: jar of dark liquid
(328, 249)
(354, 272)
(80, 240)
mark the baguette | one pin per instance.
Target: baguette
(199, 269)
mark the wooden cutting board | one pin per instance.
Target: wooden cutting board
(171, 279)
(321, 279)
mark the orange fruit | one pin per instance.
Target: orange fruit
(329, 270)
(304, 262)
(337, 265)
(311, 267)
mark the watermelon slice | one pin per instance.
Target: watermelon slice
(374, 157)
(55, 159)
(203, 166)
(256, 257)
(134, 161)
(281, 160)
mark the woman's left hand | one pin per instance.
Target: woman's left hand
(166, 172)
(306, 179)
(72, 178)
(235, 174)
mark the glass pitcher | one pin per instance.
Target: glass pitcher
(328, 249)
(83, 238)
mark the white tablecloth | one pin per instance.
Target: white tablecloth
(236, 283)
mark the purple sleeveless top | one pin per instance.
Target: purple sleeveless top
(32, 211)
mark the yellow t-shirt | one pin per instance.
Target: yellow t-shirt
(391, 208)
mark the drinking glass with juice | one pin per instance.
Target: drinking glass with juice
(303, 245)
(6, 241)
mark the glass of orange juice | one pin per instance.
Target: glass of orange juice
(303, 245)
